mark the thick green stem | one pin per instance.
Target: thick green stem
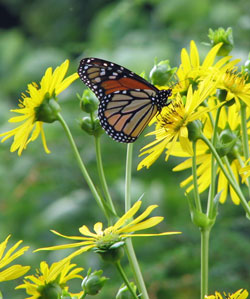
(124, 277)
(128, 244)
(245, 137)
(196, 191)
(228, 176)
(82, 167)
(102, 175)
(204, 261)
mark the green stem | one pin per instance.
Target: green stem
(205, 232)
(196, 191)
(102, 175)
(124, 277)
(82, 167)
(211, 194)
(228, 176)
(245, 137)
(128, 244)
(128, 175)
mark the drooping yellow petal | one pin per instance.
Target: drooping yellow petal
(13, 272)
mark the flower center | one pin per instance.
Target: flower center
(173, 117)
(106, 241)
(235, 82)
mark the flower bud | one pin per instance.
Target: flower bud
(91, 126)
(194, 130)
(124, 292)
(47, 112)
(161, 73)
(220, 35)
(88, 101)
(50, 291)
(227, 142)
(93, 282)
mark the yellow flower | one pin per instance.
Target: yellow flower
(230, 122)
(172, 123)
(240, 294)
(14, 271)
(191, 70)
(47, 277)
(236, 86)
(51, 85)
(105, 239)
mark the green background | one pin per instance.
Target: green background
(40, 192)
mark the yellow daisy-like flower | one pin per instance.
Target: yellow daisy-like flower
(229, 120)
(192, 70)
(51, 85)
(236, 86)
(240, 294)
(105, 240)
(54, 277)
(14, 271)
(172, 122)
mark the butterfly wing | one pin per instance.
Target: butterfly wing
(104, 77)
(127, 101)
(125, 114)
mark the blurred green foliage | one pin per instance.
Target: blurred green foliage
(40, 192)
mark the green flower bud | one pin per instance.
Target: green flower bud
(124, 292)
(88, 101)
(228, 142)
(93, 282)
(47, 112)
(91, 126)
(50, 291)
(194, 130)
(224, 36)
(162, 73)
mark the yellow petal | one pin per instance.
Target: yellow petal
(143, 225)
(72, 237)
(130, 213)
(222, 186)
(194, 55)
(141, 217)
(150, 235)
(211, 56)
(98, 228)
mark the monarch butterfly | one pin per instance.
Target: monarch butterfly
(127, 101)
